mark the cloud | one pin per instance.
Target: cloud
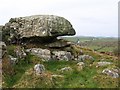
(89, 17)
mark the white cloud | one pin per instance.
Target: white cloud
(89, 17)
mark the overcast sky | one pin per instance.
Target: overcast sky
(88, 17)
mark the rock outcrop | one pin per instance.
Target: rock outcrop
(61, 55)
(1, 32)
(2, 49)
(45, 26)
(42, 53)
(47, 55)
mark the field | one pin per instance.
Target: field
(89, 77)
(100, 44)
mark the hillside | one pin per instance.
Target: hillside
(87, 76)
(33, 56)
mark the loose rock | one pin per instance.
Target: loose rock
(66, 69)
(84, 57)
(80, 66)
(61, 55)
(103, 63)
(13, 60)
(42, 53)
(39, 69)
(111, 72)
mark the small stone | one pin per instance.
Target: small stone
(103, 63)
(66, 69)
(39, 69)
(84, 57)
(80, 66)
(13, 60)
(57, 76)
(111, 72)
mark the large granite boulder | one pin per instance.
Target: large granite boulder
(38, 26)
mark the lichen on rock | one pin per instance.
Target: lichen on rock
(38, 26)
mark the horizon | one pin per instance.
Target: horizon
(88, 17)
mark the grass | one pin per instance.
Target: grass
(109, 43)
(53, 66)
(89, 77)
(74, 79)
(20, 69)
(82, 79)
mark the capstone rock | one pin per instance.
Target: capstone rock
(38, 26)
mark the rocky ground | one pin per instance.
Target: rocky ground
(34, 57)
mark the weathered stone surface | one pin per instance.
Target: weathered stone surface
(61, 55)
(103, 63)
(39, 26)
(20, 53)
(111, 72)
(57, 76)
(80, 66)
(2, 45)
(42, 53)
(47, 55)
(39, 69)
(66, 69)
(59, 44)
(85, 57)
(2, 49)
(13, 60)
(1, 32)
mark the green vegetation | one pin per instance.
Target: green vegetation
(100, 44)
(89, 77)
